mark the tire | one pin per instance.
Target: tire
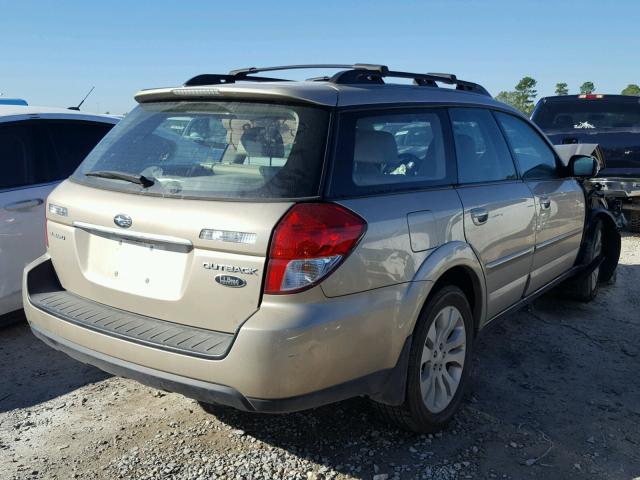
(634, 221)
(585, 288)
(430, 402)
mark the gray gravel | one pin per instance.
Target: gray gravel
(555, 395)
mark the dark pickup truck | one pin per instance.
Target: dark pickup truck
(612, 122)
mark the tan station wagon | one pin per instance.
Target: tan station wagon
(276, 245)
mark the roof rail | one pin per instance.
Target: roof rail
(246, 74)
(363, 75)
(358, 73)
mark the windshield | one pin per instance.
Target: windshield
(231, 150)
(587, 114)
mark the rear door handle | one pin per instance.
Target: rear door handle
(479, 216)
(24, 205)
(545, 203)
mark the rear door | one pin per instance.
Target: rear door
(499, 211)
(22, 196)
(560, 201)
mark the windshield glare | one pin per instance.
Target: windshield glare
(214, 150)
(582, 114)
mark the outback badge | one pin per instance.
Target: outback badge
(230, 281)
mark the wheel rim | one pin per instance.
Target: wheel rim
(443, 358)
(597, 251)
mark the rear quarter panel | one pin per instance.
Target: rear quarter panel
(386, 255)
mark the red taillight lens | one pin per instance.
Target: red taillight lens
(308, 243)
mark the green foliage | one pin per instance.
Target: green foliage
(522, 97)
(632, 89)
(587, 87)
(507, 97)
(562, 88)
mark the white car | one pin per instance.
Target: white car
(39, 147)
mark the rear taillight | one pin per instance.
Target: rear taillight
(308, 243)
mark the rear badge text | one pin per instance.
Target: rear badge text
(230, 281)
(230, 268)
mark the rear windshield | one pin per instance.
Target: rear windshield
(589, 114)
(227, 150)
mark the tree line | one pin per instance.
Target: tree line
(524, 94)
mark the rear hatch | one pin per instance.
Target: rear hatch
(171, 215)
(611, 121)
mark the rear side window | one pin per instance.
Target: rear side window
(226, 149)
(534, 156)
(391, 151)
(482, 154)
(16, 156)
(72, 141)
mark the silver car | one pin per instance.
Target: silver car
(39, 147)
(290, 253)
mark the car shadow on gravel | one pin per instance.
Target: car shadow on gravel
(348, 437)
(552, 384)
(32, 373)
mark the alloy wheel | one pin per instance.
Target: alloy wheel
(443, 357)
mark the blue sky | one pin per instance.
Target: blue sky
(51, 53)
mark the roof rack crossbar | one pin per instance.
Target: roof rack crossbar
(358, 73)
(423, 79)
(312, 66)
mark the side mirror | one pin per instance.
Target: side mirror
(583, 166)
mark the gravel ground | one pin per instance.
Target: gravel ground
(555, 394)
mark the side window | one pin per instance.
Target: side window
(391, 151)
(483, 155)
(398, 148)
(72, 141)
(534, 156)
(16, 155)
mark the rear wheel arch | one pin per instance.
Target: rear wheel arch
(466, 280)
(455, 263)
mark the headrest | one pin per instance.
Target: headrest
(375, 146)
(262, 142)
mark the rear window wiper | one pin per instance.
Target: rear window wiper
(146, 182)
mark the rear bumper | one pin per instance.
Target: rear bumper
(212, 392)
(293, 354)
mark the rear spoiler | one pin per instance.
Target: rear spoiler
(326, 97)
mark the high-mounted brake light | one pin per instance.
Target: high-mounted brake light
(308, 243)
(591, 96)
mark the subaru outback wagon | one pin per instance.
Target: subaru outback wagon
(297, 243)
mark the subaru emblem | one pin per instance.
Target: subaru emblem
(122, 220)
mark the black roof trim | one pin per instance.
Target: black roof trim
(358, 73)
